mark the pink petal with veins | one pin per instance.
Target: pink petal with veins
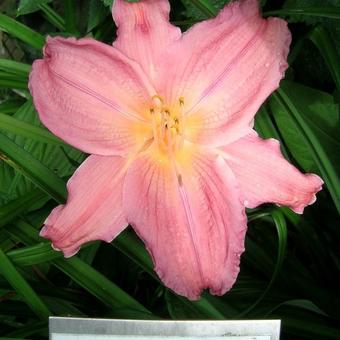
(225, 68)
(144, 31)
(265, 176)
(94, 206)
(192, 223)
(91, 95)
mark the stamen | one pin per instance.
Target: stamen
(167, 127)
(181, 124)
(180, 179)
(158, 100)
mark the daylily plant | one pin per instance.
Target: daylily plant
(168, 120)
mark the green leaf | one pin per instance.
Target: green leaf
(70, 16)
(31, 328)
(322, 16)
(132, 247)
(280, 224)
(11, 83)
(23, 232)
(14, 208)
(308, 120)
(12, 76)
(321, 12)
(32, 255)
(180, 309)
(58, 158)
(24, 129)
(97, 14)
(53, 17)
(30, 6)
(62, 307)
(10, 105)
(39, 174)
(22, 32)
(202, 9)
(90, 279)
(323, 41)
(22, 287)
(301, 303)
(15, 67)
(97, 284)
(107, 3)
(296, 321)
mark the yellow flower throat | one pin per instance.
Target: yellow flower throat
(167, 125)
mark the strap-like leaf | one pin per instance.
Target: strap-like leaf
(22, 128)
(22, 287)
(30, 167)
(21, 31)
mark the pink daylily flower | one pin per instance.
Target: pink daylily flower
(167, 118)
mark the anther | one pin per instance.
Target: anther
(180, 179)
(158, 100)
(167, 126)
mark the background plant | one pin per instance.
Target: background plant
(290, 269)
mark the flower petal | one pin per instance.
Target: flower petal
(193, 222)
(265, 176)
(94, 206)
(226, 76)
(144, 31)
(91, 95)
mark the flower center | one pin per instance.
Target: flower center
(167, 125)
